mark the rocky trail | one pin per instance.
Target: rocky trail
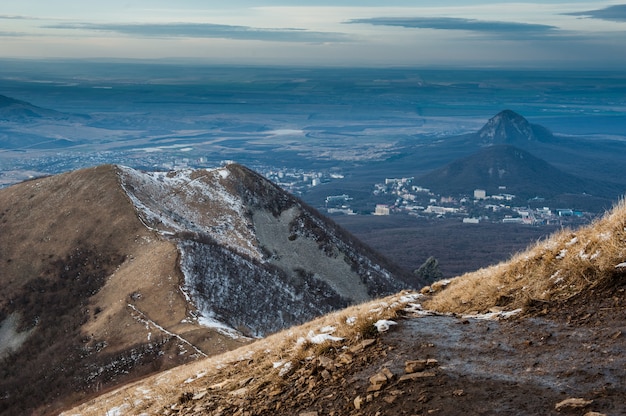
(447, 365)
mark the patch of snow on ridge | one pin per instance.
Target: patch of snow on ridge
(191, 201)
(220, 327)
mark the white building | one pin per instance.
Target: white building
(480, 194)
(381, 210)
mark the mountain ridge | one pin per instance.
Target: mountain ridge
(151, 285)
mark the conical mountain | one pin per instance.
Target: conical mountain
(508, 127)
(109, 274)
(519, 172)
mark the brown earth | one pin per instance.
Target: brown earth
(89, 283)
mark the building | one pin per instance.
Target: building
(480, 194)
(381, 210)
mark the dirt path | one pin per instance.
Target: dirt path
(520, 366)
(446, 365)
(517, 367)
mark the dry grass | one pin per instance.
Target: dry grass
(564, 265)
(266, 362)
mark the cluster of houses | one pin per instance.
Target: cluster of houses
(417, 200)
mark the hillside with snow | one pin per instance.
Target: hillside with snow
(253, 257)
(110, 274)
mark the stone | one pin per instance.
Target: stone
(387, 373)
(375, 387)
(431, 362)
(360, 347)
(378, 378)
(199, 396)
(414, 366)
(390, 399)
(572, 403)
(240, 392)
(220, 385)
(326, 362)
(358, 401)
(415, 376)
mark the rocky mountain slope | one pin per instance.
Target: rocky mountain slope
(540, 334)
(508, 127)
(109, 274)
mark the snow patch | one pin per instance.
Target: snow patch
(224, 173)
(383, 325)
(411, 297)
(196, 377)
(191, 201)
(328, 330)
(285, 367)
(321, 338)
(118, 411)
(220, 327)
(555, 275)
(493, 316)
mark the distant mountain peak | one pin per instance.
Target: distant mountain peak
(14, 110)
(509, 127)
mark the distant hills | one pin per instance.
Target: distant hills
(109, 274)
(15, 110)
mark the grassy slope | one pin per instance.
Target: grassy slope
(559, 268)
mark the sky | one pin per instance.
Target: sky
(574, 34)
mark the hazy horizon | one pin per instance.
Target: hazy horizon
(557, 34)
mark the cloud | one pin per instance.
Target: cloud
(209, 30)
(453, 23)
(12, 34)
(14, 17)
(613, 13)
